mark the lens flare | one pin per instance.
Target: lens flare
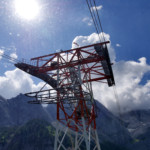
(27, 9)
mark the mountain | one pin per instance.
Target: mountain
(138, 124)
(110, 129)
(36, 134)
(16, 113)
(5, 118)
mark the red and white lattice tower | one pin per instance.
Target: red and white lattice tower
(71, 73)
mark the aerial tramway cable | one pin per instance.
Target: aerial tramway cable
(93, 8)
(98, 26)
(99, 29)
(11, 59)
(99, 19)
(93, 18)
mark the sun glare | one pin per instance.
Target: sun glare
(27, 9)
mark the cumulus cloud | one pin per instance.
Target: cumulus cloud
(97, 7)
(94, 38)
(15, 82)
(131, 94)
(128, 76)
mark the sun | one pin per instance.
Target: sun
(27, 9)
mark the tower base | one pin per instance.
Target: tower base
(83, 139)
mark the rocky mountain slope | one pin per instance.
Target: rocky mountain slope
(17, 111)
(138, 124)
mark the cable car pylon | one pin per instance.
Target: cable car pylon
(70, 73)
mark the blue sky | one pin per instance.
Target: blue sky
(127, 22)
(60, 21)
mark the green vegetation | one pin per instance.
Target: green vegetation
(37, 135)
(136, 140)
(6, 134)
(33, 135)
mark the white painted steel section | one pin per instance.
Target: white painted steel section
(56, 135)
(85, 134)
(80, 136)
(60, 144)
(97, 141)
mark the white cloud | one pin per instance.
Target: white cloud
(9, 51)
(88, 21)
(15, 82)
(118, 45)
(1, 53)
(128, 75)
(97, 7)
(18, 34)
(10, 33)
(131, 94)
(94, 38)
(13, 55)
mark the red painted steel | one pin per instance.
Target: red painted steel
(64, 68)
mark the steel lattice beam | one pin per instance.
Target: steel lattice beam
(70, 74)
